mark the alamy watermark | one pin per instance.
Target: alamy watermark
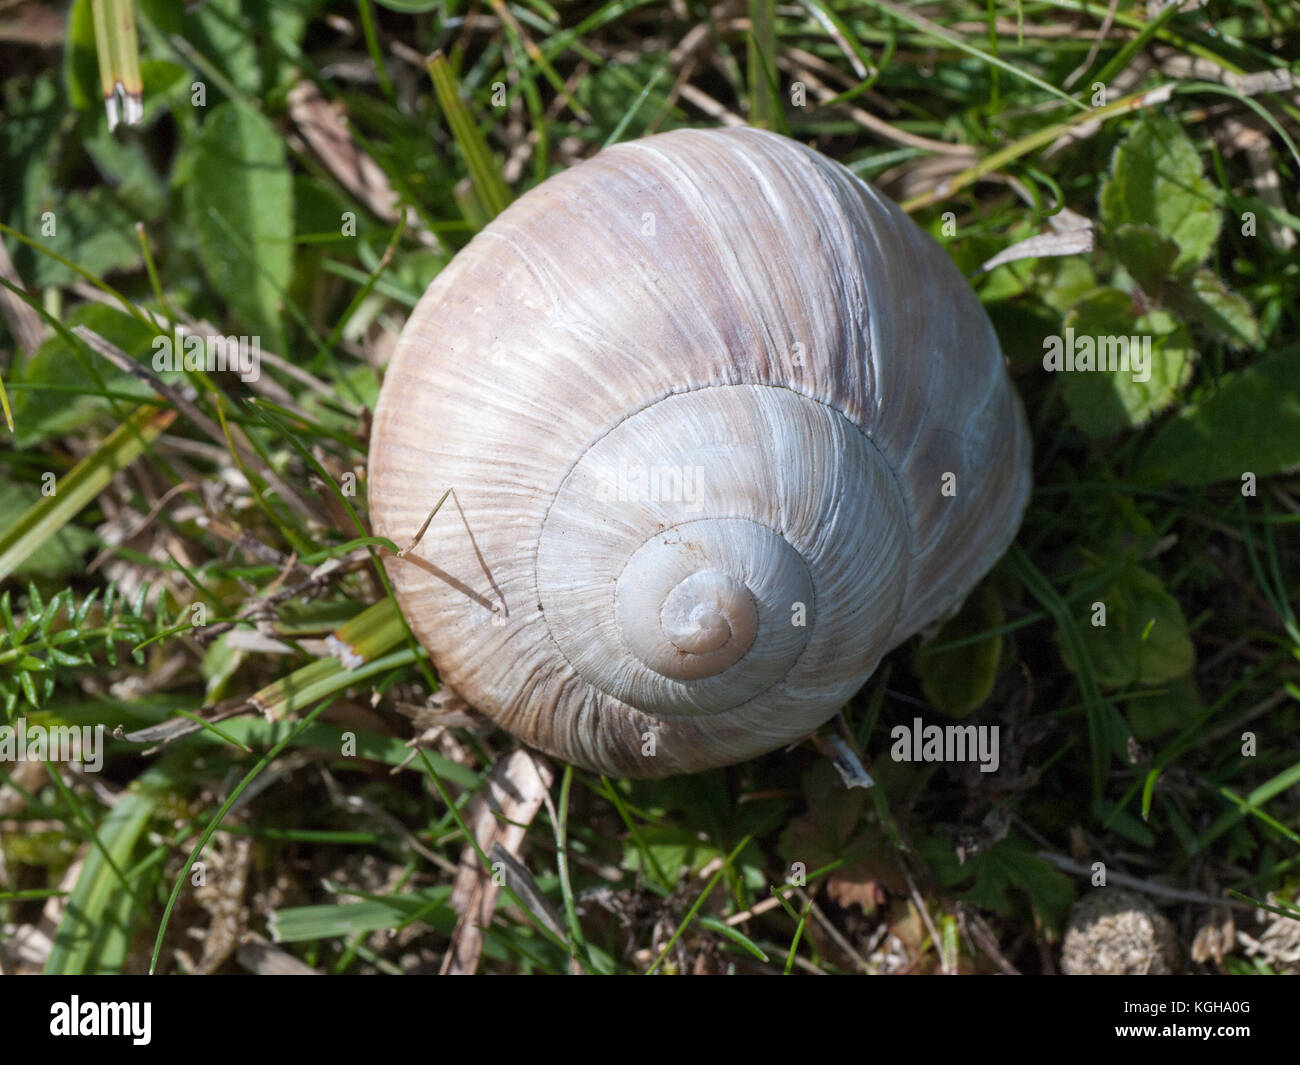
(1117, 354)
(918, 742)
(77, 1018)
(241, 355)
(59, 743)
(639, 482)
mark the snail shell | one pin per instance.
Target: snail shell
(723, 426)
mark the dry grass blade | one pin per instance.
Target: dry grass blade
(264, 959)
(1070, 242)
(498, 816)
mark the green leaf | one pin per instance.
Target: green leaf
(1142, 636)
(1249, 424)
(164, 82)
(1146, 255)
(80, 60)
(1007, 864)
(959, 679)
(1221, 312)
(834, 815)
(300, 924)
(1123, 823)
(91, 229)
(33, 113)
(410, 7)
(118, 44)
(1103, 402)
(671, 849)
(1063, 281)
(1022, 327)
(219, 664)
(251, 41)
(1157, 180)
(1050, 891)
(1155, 713)
(240, 200)
(127, 167)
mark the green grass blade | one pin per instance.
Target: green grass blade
(81, 485)
(95, 933)
(493, 193)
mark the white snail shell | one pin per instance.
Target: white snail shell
(723, 426)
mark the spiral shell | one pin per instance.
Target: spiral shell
(722, 426)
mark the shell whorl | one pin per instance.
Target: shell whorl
(759, 545)
(696, 399)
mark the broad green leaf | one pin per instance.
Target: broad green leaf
(1007, 864)
(1157, 180)
(1220, 311)
(33, 113)
(1063, 281)
(959, 679)
(1249, 424)
(1141, 638)
(1050, 891)
(166, 85)
(827, 829)
(251, 41)
(240, 199)
(1022, 327)
(834, 830)
(671, 849)
(1145, 253)
(1105, 401)
(91, 229)
(1151, 714)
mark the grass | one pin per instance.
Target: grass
(186, 558)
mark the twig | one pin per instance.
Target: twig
(1104, 29)
(919, 903)
(1068, 865)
